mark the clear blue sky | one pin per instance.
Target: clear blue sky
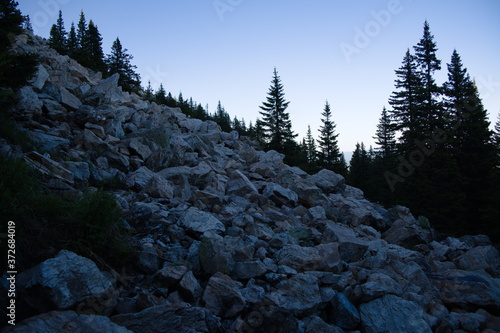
(337, 50)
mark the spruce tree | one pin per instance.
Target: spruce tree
(27, 24)
(428, 64)
(405, 102)
(160, 95)
(385, 136)
(222, 118)
(359, 168)
(472, 144)
(57, 39)
(119, 62)
(275, 120)
(92, 49)
(81, 30)
(311, 151)
(148, 93)
(72, 43)
(329, 152)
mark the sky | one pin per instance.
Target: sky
(342, 51)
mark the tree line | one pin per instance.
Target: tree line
(83, 43)
(434, 150)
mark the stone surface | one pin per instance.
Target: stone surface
(222, 296)
(63, 282)
(196, 220)
(393, 314)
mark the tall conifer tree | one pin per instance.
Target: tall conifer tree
(57, 39)
(275, 120)
(329, 152)
(119, 62)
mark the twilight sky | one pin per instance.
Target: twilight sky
(342, 51)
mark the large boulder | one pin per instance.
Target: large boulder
(393, 314)
(328, 181)
(64, 322)
(198, 221)
(222, 297)
(301, 258)
(166, 318)
(64, 282)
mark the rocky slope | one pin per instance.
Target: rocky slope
(229, 238)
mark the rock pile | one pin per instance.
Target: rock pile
(229, 238)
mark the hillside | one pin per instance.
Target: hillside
(223, 237)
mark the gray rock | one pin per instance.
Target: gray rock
(69, 100)
(80, 170)
(407, 234)
(393, 314)
(343, 314)
(170, 274)
(222, 297)
(196, 220)
(190, 288)
(328, 181)
(39, 79)
(148, 260)
(245, 270)
(215, 256)
(481, 257)
(240, 185)
(140, 149)
(158, 319)
(63, 282)
(48, 167)
(91, 140)
(298, 295)
(378, 285)
(28, 101)
(48, 142)
(159, 187)
(280, 195)
(301, 258)
(352, 251)
(467, 289)
(64, 322)
(315, 324)
(97, 130)
(139, 178)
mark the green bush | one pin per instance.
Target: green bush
(47, 223)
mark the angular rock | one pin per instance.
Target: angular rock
(301, 258)
(48, 167)
(315, 324)
(222, 297)
(196, 220)
(139, 178)
(39, 79)
(80, 170)
(467, 290)
(159, 187)
(393, 314)
(190, 288)
(406, 234)
(69, 100)
(64, 322)
(343, 314)
(298, 295)
(215, 256)
(280, 195)
(378, 285)
(245, 270)
(481, 257)
(170, 274)
(140, 149)
(28, 101)
(63, 282)
(352, 251)
(48, 142)
(240, 185)
(328, 181)
(157, 319)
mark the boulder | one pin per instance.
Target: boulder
(215, 256)
(139, 179)
(160, 318)
(48, 167)
(280, 195)
(159, 187)
(64, 322)
(328, 181)
(407, 233)
(198, 221)
(222, 297)
(393, 314)
(352, 251)
(245, 270)
(63, 282)
(39, 79)
(481, 258)
(69, 100)
(301, 258)
(343, 313)
(298, 295)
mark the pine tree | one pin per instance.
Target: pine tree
(496, 138)
(27, 24)
(428, 64)
(160, 95)
(119, 62)
(72, 43)
(471, 140)
(170, 101)
(57, 39)
(149, 93)
(404, 101)
(275, 120)
(222, 118)
(81, 31)
(359, 168)
(329, 152)
(92, 49)
(385, 136)
(311, 151)
(15, 69)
